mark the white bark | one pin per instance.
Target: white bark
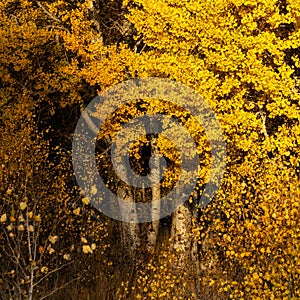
(181, 225)
(180, 233)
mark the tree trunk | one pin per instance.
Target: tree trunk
(180, 232)
(155, 211)
(129, 230)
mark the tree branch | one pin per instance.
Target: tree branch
(48, 13)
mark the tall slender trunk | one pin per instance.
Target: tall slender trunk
(155, 211)
(129, 230)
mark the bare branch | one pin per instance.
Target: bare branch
(53, 271)
(89, 122)
(57, 289)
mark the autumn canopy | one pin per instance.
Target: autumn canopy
(242, 58)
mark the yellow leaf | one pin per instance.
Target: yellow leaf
(86, 249)
(85, 201)
(76, 211)
(267, 276)
(94, 190)
(21, 227)
(67, 257)
(37, 218)
(23, 205)
(84, 240)
(255, 276)
(3, 218)
(53, 239)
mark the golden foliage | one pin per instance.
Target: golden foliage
(241, 56)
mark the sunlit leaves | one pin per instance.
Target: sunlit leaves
(235, 54)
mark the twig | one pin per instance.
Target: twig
(57, 289)
(48, 13)
(48, 274)
(58, 27)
